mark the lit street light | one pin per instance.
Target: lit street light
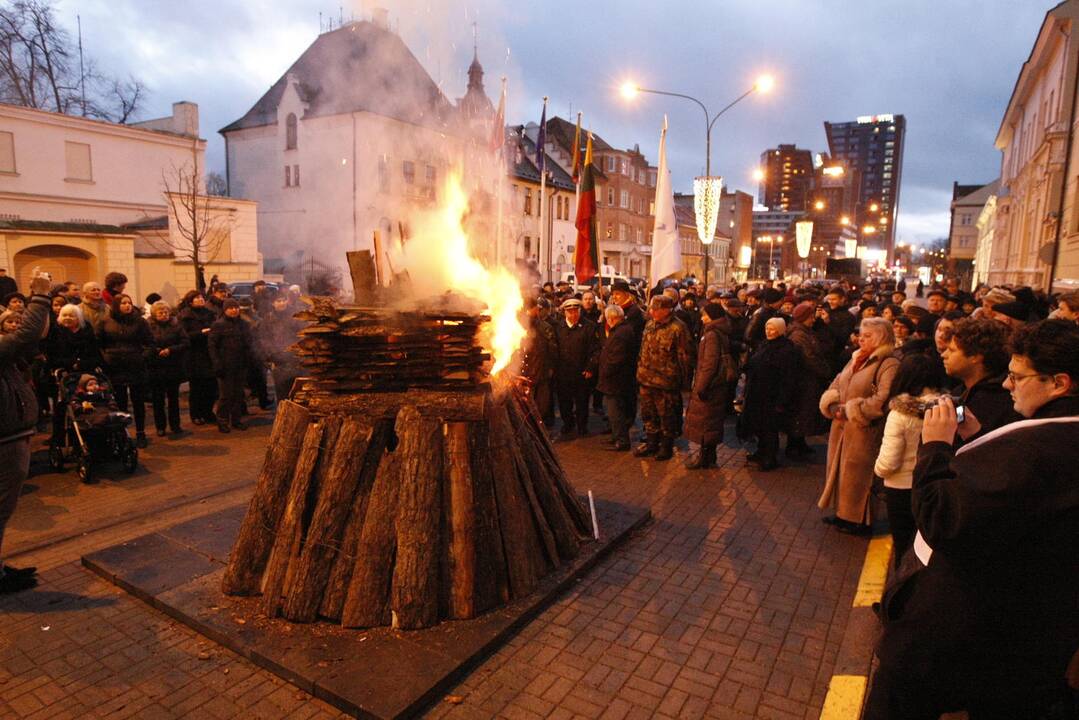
(764, 84)
(758, 174)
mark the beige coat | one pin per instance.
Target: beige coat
(853, 443)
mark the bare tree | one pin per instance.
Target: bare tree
(216, 185)
(39, 68)
(201, 227)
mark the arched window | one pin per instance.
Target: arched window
(290, 132)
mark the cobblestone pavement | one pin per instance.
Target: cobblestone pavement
(731, 604)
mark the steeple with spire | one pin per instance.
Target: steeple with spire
(475, 107)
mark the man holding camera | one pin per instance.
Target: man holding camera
(989, 624)
(18, 415)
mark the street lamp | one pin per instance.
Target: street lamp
(763, 84)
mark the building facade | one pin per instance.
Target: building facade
(788, 178)
(1036, 237)
(966, 208)
(357, 139)
(81, 198)
(773, 233)
(873, 146)
(986, 224)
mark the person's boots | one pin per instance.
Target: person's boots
(223, 422)
(140, 440)
(702, 459)
(666, 449)
(649, 447)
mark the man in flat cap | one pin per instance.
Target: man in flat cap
(663, 370)
(578, 360)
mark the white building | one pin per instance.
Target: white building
(82, 197)
(352, 139)
(1036, 239)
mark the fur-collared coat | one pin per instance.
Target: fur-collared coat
(853, 443)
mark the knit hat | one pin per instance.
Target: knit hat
(1014, 310)
(803, 311)
(230, 303)
(714, 311)
(771, 295)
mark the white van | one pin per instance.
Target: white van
(607, 272)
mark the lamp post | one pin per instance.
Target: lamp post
(763, 84)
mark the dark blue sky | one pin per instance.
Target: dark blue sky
(948, 66)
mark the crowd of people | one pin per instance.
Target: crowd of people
(935, 404)
(954, 408)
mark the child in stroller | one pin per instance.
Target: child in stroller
(94, 428)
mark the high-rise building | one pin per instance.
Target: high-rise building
(873, 146)
(788, 178)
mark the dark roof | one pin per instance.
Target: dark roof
(959, 191)
(561, 133)
(64, 227)
(358, 67)
(160, 222)
(526, 169)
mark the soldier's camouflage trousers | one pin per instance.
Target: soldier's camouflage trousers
(661, 412)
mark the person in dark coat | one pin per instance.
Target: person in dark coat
(617, 375)
(232, 351)
(986, 621)
(7, 284)
(771, 300)
(816, 374)
(690, 315)
(167, 360)
(840, 324)
(196, 319)
(256, 370)
(976, 355)
(771, 392)
(540, 356)
(710, 394)
(70, 346)
(277, 331)
(125, 342)
(578, 359)
(18, 415)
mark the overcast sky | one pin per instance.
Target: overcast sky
(948, 65)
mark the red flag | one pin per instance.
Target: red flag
(586, 252)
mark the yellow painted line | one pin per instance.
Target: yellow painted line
(874, 572)
(844, 699)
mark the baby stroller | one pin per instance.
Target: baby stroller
(94, 429)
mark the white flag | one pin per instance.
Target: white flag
(666, 246)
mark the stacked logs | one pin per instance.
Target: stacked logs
(404, 509)
(348, 348)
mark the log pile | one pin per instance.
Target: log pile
(349, 348)
(380, 502)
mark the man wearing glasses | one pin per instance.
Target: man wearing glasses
(991, 622)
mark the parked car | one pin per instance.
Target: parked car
(245, 288)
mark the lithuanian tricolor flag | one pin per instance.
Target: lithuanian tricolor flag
(586, 252)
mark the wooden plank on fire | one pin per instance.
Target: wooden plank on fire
(456, 405)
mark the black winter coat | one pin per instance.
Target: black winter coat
(69, 350)
(578, 349)
(194, 320)
(771, 386)
(18, 407)
(540, 352)
(231, 347)
(125, 342)
(171, 335)
(276, 331)
(618, 361)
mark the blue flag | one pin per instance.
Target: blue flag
(541, 140)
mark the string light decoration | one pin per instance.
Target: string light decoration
(804, 237)
(707, 191)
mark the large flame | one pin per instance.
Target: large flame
(438, 259)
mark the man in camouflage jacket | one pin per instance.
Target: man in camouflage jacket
(663, 370)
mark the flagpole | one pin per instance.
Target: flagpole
(576, 161)
(543, 187)
(500, 178)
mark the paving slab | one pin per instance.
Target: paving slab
(376, 673)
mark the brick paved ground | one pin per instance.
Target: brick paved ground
(731, 604)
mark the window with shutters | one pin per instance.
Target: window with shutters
(288, 176)
(7, 152)
(79, 168)
(295, 175)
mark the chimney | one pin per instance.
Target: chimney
(380, 16)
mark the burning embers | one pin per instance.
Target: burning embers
(348, 349)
